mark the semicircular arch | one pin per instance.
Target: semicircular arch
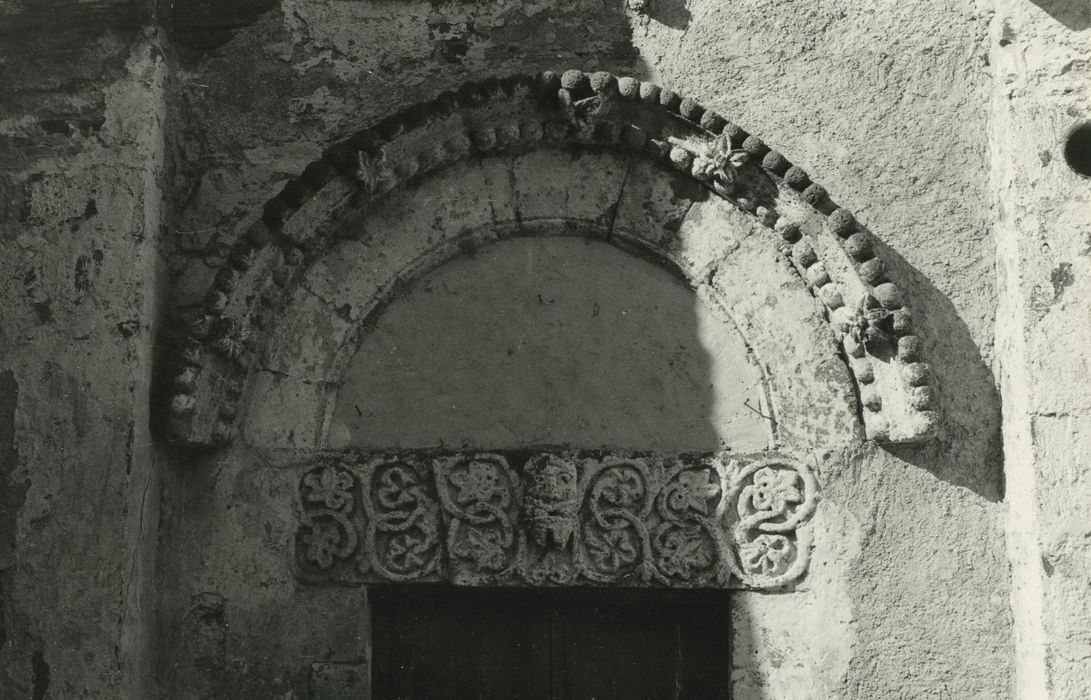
(604, 137)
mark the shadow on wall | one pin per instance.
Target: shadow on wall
(968, 448)
(1073, 14)
(672, 13)
(555, 341)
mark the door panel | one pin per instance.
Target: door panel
(439, 641)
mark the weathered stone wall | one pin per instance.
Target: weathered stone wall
(886, 106)
(1043, 228)
(81, 164)
(938, 126)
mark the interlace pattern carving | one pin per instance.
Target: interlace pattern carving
(326, 534)
(556, 518)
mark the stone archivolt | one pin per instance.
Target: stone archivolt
(219, 342)
(556, 518)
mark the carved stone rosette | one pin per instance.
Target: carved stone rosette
(556, 518)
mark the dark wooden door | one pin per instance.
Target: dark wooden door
(440, 641)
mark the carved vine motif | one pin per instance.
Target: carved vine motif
(478, 495)
(326, 534)
(403, 534)
(614, 533)
(557, 518)
(772, 498)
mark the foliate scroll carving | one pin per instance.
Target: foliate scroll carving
(327, 534)
(771, 498)
(403, 528)
(479, 498)
(556, 518)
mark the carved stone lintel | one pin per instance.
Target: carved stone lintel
(555, 518)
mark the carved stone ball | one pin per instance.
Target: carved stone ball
(831, 296)
(921, 398)
(916, 374)
(712, 122)
(221, 432)
(484, 138)
(670, 100)
(797, 178)
(788, 230)
(407, 167)
(817, 275)
(507, 134)
(804, 254)
(183, 404)
(215, 302)
(531, 131)
(735, 133)
(775, 162)
(873, 271)
(841, 223)
(200, 325)
(690, 110)
(457, 145)
(227, 279)
(603, 82)
(815, 194)
(629, 88)
(574, 80)
(186, 380)
(865, 373)
(681, 158)
(649, 93)
(858, 246)
(909, 348)
(889, 295)
(755, 146)
(282, 275)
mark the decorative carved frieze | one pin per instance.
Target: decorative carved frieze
(555, 518)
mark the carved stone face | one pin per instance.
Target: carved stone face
(551, 499)
(552, 482)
